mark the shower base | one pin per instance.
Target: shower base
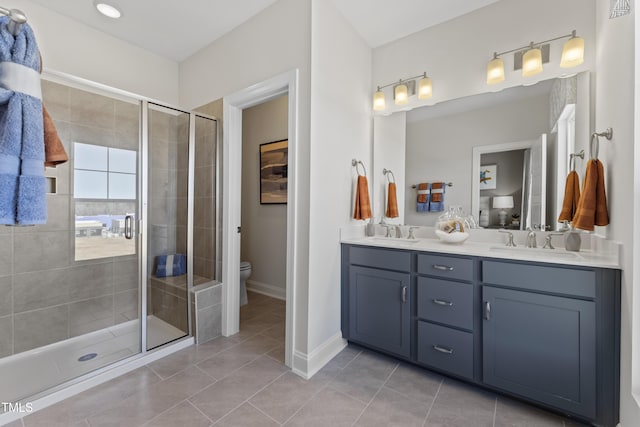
(29, 373)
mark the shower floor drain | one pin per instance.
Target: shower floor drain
(87, 357)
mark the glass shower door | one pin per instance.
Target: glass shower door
(167, 225)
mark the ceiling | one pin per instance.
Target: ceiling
(175, 31)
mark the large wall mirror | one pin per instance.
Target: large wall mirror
(520, 137)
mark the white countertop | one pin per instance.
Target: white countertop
(489, 244)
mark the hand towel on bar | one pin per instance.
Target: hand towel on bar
(571, 197)
(424, 196)
(363, 206)
(437, 197)
(170, 265)
(22, 182)
(392, 202)
(592, 207)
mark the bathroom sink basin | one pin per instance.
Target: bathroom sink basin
(393, 239)
(536, 252)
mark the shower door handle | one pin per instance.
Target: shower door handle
(128, 227)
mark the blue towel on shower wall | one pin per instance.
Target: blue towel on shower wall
(170, 265)
(22, 182)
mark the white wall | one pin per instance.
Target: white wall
(455, 54)
(340, 130)
(264, 227)
(440, 149)
(276, 40)
(614, 101)
(73, 48)
(389, 154)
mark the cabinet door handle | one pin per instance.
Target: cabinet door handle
(442, 267)
(442, 302)
(404, 294)
(487, 310)
(443, 349)
(128, 227)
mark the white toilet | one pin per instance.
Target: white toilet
(245, 272)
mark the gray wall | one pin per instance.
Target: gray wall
(264, 227)
(509, 181)
(45, 295)
(440, 149)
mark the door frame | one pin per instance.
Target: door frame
(233, 104)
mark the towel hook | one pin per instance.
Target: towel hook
(386, 172)
(572, 159)
(355, 163)
(17, 18)
(608, 133)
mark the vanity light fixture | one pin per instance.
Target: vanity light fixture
(531, 57)
(107, 9)
(402, 90)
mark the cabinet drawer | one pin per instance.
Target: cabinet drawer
(540, 278)
(445, 302)
(380, 258)
(446, 266)
(447, 349)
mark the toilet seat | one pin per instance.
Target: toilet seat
(245, 265)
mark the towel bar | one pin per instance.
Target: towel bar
(608, 133)
(448, 184)
(386, 172)
(572, 159)
(17, 19)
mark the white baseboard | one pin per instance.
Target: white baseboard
(307, 365)
(95, 378)
(267, 289)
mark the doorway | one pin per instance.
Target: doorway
(283, 84)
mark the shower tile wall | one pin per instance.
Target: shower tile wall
(45, 295)
(204, 224)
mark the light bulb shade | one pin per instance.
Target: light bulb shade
(503, 202)
(572, 52)
(532, 62)
(379, 102)
(495, 71)
(425, 88)
(401, 94)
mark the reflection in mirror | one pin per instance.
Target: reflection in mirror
(527, 132)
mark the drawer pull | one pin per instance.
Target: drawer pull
(441, 302)
(443, 349)
(442, 267)
(404, 294)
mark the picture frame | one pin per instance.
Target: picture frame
(488, 177)
(274, 172)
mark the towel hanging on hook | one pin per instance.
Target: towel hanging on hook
(355, 164)
(608, 133)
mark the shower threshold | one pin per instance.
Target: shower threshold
(29, 373)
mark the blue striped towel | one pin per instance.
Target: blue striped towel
(170, 265)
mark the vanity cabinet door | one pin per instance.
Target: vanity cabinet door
(541, 347)
(379, 309)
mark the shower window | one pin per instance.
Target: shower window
(105, 185)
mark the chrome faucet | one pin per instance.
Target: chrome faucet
(531, 238)
(398, 232)
(510, 241)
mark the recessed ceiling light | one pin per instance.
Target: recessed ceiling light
(108, 10)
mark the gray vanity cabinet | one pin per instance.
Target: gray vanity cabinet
(542, 347)
(379, 300)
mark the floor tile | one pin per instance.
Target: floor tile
(461, 405)
(364, 376)
(188, 382)
(184, 414)
(277, 353)
(246, 415)
(510, 412)
(417, 383)
(281, 399)
(390, 408)
(223, 364)
(328, 408)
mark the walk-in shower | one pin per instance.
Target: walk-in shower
(109, 275)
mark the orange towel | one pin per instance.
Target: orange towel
(436, 196)
(392, 202)
(592, 207)
(571, 197)
(53, 149)
(422, 198)
(363, 206)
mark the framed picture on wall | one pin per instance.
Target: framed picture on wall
(488, 177)
(273, 172)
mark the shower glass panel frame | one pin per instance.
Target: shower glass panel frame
(138, 107)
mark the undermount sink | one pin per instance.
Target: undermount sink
(393, 239)
(536, 252)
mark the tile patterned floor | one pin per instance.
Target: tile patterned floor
(242, 381)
